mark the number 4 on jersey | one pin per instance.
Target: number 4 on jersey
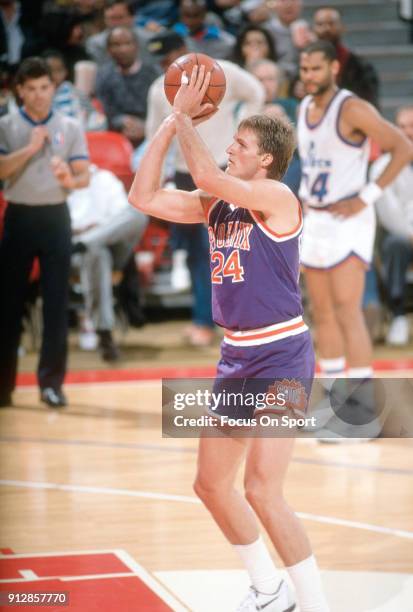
(319, 188)
(231, 267)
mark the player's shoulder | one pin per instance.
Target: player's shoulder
(275, 191)
(351, 103)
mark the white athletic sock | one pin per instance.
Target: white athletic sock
(366, 372)
(332, 368)
(258, 562)
(307, 581)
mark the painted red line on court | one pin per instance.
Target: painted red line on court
(26, 379)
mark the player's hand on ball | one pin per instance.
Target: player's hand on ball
(188, 99)
(205, 116)
(347, 208)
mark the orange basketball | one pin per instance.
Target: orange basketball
(216, 89)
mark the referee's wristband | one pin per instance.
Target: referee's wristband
(370, 193)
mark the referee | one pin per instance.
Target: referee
(43, 155)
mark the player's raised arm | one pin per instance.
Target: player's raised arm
(146, 193)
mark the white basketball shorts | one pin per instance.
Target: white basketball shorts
(327, 241)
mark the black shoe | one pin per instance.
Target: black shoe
(108, 349)
(53, 397)
(78, 247)
(6, 401)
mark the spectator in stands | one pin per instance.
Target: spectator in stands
(69, 100)
(355, 74)
(63, 30)
(106, 230)
(253, 43)
(122, 86)
(88, 7)
(92, 10)
(19, 31)
(283, 15)
(243, 91)
(66, 98)
(43, 155)
(201, 36)
(302, 34)
(269, 75)
(11, 33)
(7, 95)
(229, 12)
(156, 14)
(117, 13)
(395, 211)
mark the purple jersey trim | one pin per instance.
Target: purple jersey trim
(357, 145)
(274, 235)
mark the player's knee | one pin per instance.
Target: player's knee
(261, 497)
(323, 316)
(348, 314)
(205, 489)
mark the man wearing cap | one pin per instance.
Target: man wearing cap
(244, 96)
(43, 156)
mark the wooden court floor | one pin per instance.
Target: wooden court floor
(98, 475)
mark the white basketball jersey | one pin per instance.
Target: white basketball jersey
(333, 168)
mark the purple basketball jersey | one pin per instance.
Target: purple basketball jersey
(254, 271)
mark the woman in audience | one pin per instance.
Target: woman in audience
(253, 43)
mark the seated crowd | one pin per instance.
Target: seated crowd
(106, 59)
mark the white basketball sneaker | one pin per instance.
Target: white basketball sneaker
(398, 334)
(280, 601)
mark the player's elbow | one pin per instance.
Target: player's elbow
(140, 203)
(406, 150)
(5, 172)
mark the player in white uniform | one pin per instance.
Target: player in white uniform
(334, 128)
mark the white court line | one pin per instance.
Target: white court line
(27, 575)
(150, 581)
(66, 553)
(36, 578)
(99, 490)
(400, 533)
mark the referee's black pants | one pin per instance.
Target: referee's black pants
(29, 232)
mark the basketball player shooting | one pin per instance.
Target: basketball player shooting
(257, 301)
(334, 128)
